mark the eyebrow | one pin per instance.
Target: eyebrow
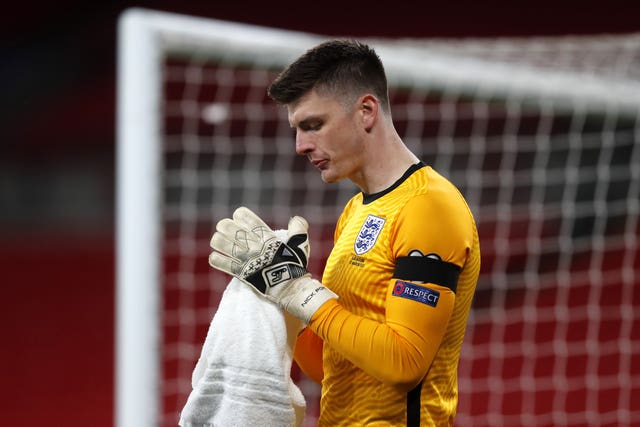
(307, 122)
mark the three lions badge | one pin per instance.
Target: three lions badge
(368, 234)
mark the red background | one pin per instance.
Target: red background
(57, 116)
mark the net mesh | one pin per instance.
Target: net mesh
(554, 335)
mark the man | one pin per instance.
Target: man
(385, 326)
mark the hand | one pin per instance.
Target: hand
(248, 249)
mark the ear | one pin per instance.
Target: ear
(369, 110)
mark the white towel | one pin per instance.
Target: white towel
(243, 376)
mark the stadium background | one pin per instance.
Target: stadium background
(57, 168)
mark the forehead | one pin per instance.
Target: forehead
(311, 105)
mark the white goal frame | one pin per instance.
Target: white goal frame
(144, 37)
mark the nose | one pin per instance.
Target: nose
(304, 145)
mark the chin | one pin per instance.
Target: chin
(328, 177)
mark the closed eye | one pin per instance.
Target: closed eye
(310, 125)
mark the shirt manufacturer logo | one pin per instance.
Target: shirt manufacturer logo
(368, 234)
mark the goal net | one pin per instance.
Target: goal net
(542, 136)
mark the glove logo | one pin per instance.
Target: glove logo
(276, 275)
(368, 234)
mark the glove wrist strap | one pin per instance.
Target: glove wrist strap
(304, 297)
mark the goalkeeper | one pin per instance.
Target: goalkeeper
(385, 326)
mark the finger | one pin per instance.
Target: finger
(221, 243)
(229, 227)
(297, 225)
(223, 263)
(239, 237)
(298, 238)
(234, 233)
(244, 216)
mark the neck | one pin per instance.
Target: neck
(385, 162)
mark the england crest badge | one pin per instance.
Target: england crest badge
(368, 234)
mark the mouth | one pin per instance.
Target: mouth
(320, 163)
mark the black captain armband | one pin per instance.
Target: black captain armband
(427, 269)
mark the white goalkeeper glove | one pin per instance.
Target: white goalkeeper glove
(248, 249)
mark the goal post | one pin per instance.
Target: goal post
(541, 134)
(138, 224)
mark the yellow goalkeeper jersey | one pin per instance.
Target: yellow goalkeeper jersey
(405, 264)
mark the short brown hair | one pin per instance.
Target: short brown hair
(346, 68)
